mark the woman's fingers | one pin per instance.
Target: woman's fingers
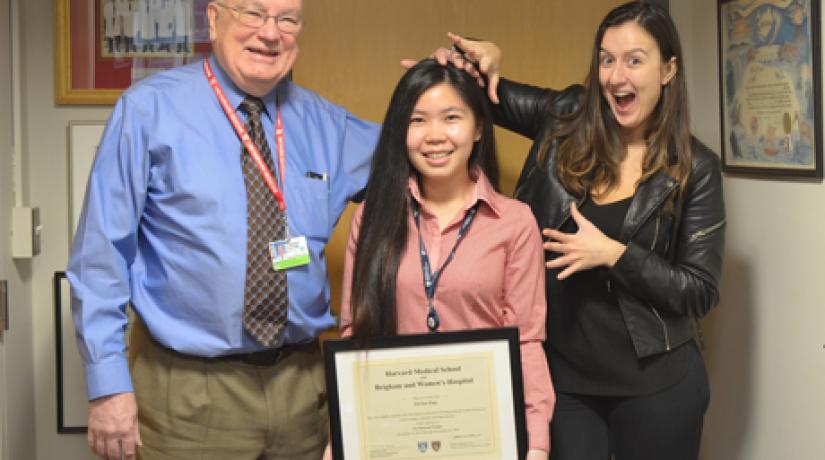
(556, 235)
(561, 261)
(571, 269)
(492, 90)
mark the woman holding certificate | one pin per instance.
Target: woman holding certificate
(633, 213)
(434, 246)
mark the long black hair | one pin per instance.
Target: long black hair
(383, 233)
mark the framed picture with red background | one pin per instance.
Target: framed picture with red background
(103, 46)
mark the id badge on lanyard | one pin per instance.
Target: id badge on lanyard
(291, 251)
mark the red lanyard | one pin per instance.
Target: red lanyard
(246, 140)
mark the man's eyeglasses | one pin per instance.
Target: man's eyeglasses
(288, 23)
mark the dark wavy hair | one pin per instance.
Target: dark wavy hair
(383, 233)
(591, 146)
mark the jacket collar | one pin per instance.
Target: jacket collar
(649, 196)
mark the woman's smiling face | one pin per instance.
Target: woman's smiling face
(441, 134)
(631, 76)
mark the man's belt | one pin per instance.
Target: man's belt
(263, 358)
(270, 356)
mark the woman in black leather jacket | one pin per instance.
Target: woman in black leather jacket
(632, 207)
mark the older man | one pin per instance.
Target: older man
(202, 171)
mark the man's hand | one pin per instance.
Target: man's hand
(113, 427)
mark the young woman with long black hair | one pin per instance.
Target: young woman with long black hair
(434, 188)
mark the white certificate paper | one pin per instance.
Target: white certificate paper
(452, 400)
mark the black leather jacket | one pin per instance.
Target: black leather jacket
(668, 276)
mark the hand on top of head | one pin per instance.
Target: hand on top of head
(477, 57)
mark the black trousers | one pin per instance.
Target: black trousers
(661, 426)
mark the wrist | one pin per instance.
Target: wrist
(613, 253)
(537, 454)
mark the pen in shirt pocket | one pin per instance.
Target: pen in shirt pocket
(322, 176)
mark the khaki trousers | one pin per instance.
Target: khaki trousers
(193, 408)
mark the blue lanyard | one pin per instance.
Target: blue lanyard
(430, 278)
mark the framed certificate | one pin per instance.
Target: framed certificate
(771, 87)
(457, 395)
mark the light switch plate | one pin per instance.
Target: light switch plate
(25, 232)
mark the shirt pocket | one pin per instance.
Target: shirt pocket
(309, 208)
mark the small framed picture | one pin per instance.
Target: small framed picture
(72, 401)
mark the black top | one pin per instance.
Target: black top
(590, 350)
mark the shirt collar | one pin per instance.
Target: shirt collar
(235, 95)
(482, 192)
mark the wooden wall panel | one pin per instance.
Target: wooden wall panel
(350, 52)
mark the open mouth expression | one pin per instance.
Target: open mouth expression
(631, 75)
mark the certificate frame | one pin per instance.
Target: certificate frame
(88, 73)
(770, 84)
(343, 356)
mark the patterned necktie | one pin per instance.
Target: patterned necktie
(265, 290)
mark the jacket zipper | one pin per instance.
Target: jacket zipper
(700, 334)
(656, 312)
(703, 232)
(656, 232)
(664, 327)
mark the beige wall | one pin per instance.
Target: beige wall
(363, 40)
(17, 420)
(5, 199)
(45, 144)
(765, 341)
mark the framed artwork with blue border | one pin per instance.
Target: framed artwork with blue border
(771, 89)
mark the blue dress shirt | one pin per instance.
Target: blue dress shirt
(164, 218)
